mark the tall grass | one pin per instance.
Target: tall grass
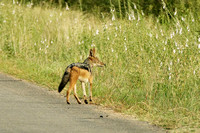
(152, 71)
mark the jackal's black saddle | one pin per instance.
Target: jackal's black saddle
(81, 65)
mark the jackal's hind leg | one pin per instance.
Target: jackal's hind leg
(84, 93)
(75, 95)
(71, 86)
(68, 94)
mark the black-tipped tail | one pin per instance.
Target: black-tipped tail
(65, 80)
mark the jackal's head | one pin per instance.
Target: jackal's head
(92, 60)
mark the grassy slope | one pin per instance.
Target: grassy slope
(152, 69)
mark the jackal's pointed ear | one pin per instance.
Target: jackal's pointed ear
(92, 52)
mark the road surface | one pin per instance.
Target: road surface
(27, 108)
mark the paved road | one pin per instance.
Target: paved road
(27, 108)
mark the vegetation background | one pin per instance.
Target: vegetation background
(151, 48)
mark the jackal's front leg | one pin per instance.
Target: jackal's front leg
(90, 92)
(90, 88)
(84, 93)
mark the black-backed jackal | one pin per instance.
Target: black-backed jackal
(82, 72)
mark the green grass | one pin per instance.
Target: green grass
(152, 72)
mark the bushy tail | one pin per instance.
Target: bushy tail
(64, 81)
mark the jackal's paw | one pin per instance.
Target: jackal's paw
(68, 102)
(86, 102)
(79, 102)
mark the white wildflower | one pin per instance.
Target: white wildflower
(125, 47)
(139, 17)
(142, 13)
(164, 5)
(170, 63)
(175, 12)
(150, 35)
(180, 32)
(182, 18)
(129, 17)
(176, 44)
(170, 77)
(199, 46)
(186, 45)
(120, 27)
(42, 42)
(161, 63)
(113, 17)
(135, 6)
(193, 20)
(171, 36)
(89, 27)
(112, 49)
(174, 51)
(156, 36)
(188, 28)
(97, 32)
(199, 39)
(106, 26)
(165, 42)
(194, 72)
(177, 30)
(67, 7)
